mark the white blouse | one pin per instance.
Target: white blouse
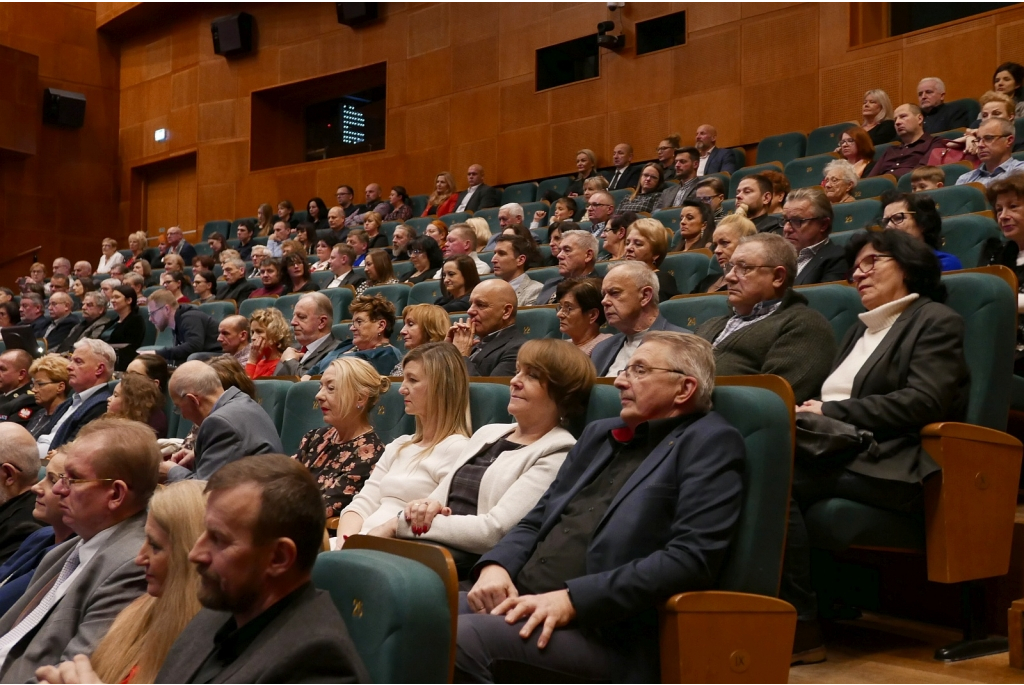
(106, 265)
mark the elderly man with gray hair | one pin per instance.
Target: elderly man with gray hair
(509, 215)
(807, 225)
(96, 318)
(576, 259)
(939, 116)
(231, 424)
(630, 304)
(91, 367)
(19, 471)
(238, 288)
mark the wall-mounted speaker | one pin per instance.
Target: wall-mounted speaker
(356, 14)
(63, 108)
(232, 35)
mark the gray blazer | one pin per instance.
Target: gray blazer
(497, 356)
(238, 427)
(109, 583)
(295, 367)
(606, 351)
(527, 291)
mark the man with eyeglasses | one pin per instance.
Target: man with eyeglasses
(600, 208)
(645, 505)
(194, 330)
(914, 147)
(19, 471)
(807, 225)
(624, 175)
(17, 404)
(630, 301)
(711, 191)
(344, 194)
(995, 150)
(771, 330)
(81, 586)
(686, 160)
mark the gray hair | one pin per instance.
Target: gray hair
(585, 239)
(259, 249)
(844, 169)
(101, 350)
(693, 355)
(110, 282)
(938, 83)
(98, 298)
(817, 197)
(195, 378)
(18, 448)
(513, 208)
(133, 279)
(777, 251)
(322, 303)
(63, 261)
(638, 272)
(237, 263)
(1005, 127)
(35, 298)
(62, 297)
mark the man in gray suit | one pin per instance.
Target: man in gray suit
(311, 321)
(631, 306)
(490, 341)
(82, 585)
(231, 424)
(509, 262)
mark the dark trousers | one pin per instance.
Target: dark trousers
(812, 486)
(491, 651)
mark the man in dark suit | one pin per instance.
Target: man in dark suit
(31, 311)
(624, 175)
(231, 424)
(245, 234)
(61, 321)
(17, 403)
(807, 226)
(478, 194)
(576, 260)
(644, 506)
(109, 475)
(237, 288)
(91, 367)
(312, 319)
(939, 116)
(492, 319)
(176, 244)
(712, 159)
(674, 195)
(631, 306)
(194, 329)
(269, 511)
(340, 264)
(95, 319)
(19, 471)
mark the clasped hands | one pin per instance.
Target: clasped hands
(810, 406)
(495, 593)
(462, 334)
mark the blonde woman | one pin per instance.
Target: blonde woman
(50, 385)
(726, 238)
(586, 167)
(445, 197)
(264, 219)
(342, 454)
(137, 243)
(422, 324)
(436, 393)
(270, 336)
(482, 229)
(647, 242)
(110, 257)
(371, 226)
(877, 117)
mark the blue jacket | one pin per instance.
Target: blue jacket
(383, 358)
(92, 408)
(605, 352)
(17, 571)
(666, 531)
(719, 160)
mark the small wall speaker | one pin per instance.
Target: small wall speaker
(356, 14)
(63, 108)
(232, 35)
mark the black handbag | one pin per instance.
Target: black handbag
(824, 442)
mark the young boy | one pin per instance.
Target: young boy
(927, 178)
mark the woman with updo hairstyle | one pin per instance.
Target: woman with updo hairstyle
(137, 244)
(580, 312)
(137, 398)
(342, 454)
(647, 242)
(401, 205)
(373, 322)
(696, 225)
(586, 167)
(916, 215)
(218, 243)
(270, 335)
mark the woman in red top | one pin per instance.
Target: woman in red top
(445, 197)
(176, 282)
(270, 335)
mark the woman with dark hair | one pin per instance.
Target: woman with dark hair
(426, 257)
(614, 236)
(272, 278)
(401, 205)
(316, 212)
(586, 167)
(647, 193)
(533, 258)
(900, 368)
(378, 270)
(154, 367)
(218, 243)
(298, 279)
(176, 283)
(9, 314)
(458, 278)
(306, 234)
(204, 262)
(696, 225)
(917, 216)
(130, 328)
(855, 147)
(580, 312)
(373, 322)
(1009, 79)
(323, 252)
(138, 399)
(204, 287)
(554, 242)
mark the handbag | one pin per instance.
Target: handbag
(947, 155)
(824, 442)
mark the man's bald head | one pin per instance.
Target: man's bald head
(14, 365)
(492, 306)
(19, 460)
(195, 378)
(706, 138)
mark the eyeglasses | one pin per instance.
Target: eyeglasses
(867, 265)
(988, 140)
(706, 199)
(566, 309)
(896, 219)
(415, 253)
(798, 222)
(743, 270)
(40, 384)
(640, 371)
(662, 148)
(63, 479)
(598, 204)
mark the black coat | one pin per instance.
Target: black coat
(238, 291)
(497, 356)
(130, 332)
(828, 265)
(17, 523)
(484, 197)
(60, 331)
(194, 331)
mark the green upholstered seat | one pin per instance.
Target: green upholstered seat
(418, 203)
(341, 331)
(687, 268)
(425, 292)
(150, 337)
(211, 227)
(578, 215)
(872, 187)
(544, 273)
(247, 307)
(396, 611)
(420, 223)
(218, 310)
(273, 395)
(340, 298)
(840, 304)
(669, 218)
(843, 238)
(455, 218)
(321, 278)
(520, 193)
(620, 195)
(490, 215)
(690, 312)
(557, 186)
(604, 402)
(729, 205)
(965, 235)
(969, 104)
(953, 200)
(825, 139)
(530, 208)
(396, 293)
(849, 216)
(952, 172)
(538, 322)
(739, 156)
(804, 172)
(286, 304)
(301, 414)
(781, 148)
(202, 248)
(488, 404)
(149, 290)
(403, 269)
(182, 429)
(388, 417)
(881, 148)
(740, 174)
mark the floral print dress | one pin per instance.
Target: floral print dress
(340, 468)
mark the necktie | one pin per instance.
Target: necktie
(303, 350)
(614, 185)
(28, 622)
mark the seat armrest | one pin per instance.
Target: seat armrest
(967, 431)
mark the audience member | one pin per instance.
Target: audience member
(371, 227)
(458, 278)
(562, 209)
(600, 210)
(478, 195)
(586, 167)
(462, 241)
(592, 574)
(993, 105)
(297, 279)
(630, 300)
(152, 367)
(807, 225)
(265, 219)
(234, 337)
(204, 287)
(647, 242)
(286, 211)
(533, 258)
(399, 205)
(50, 385)
(82, 270)
(96, 319)
(342, 454)
(19, 471)
(80, 287)
(510, 214)
(217, 243)
(426, 258)
(316, 214)
(580, 313)
(231, 424)
(137, 244)
(995, 147)
(914, 147)
(614, 236)
(877, 118)
(272, 278)
(110, 256)
(176, 283)
(374, 203)
(79, 588)
(927, 178)
(917, 216)
(696, 225)
(939, 116)
(9, 314)
(31, 311)
(623, 174)
(400, 239)
(142, 268)
(780, 189)
(176, 244)
(260, 254)
(445, 197)
(753, 199)
(489, 340)
(436, 391)
(194, 330)
(270, 335)
(378, 270)
(713, 160)
(686, 161)
(577, 253)
(711, 191)
(359, 242)
(238, 288)
(1009, 80)
(91, 367)
(340, 264)
(118, 272)
(17, 403)
(61, 322)
(423, 323)
(437, 230)
(373, 322)
(277, 237)
(137, 398)
(345, 196)
(129, 330)
(312, 319)
(244, 232)
(840, 180)
(645, 197)
(916, 375)
(1006, 196)
(666, 157)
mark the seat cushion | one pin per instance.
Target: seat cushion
(838, 524)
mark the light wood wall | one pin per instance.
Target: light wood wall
(461, 86)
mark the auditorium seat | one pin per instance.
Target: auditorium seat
(953, 200)
(272, 394)
(825, 139)
(528, 210)
(578, 215)
(150, 337)
(388, 229)
(965, 235)
(418, 203)
(202, 248)
(849, 216)
(690, 311)
(488, 401)
(781, 148)
(729, 204)
(420, 223)
(620, 195)
(951, 134)
(301, 414)
(740, 174)
(211, 227)
(543, 273)
(455, 217)
(218, 310)
(397, 293)
(388, 418)
(843, 238)
(321, 278)
(881, 148)
(399, 601)
(255, 282)
(873, 186)
(340, 298)
(286, 304)
(556, 185)
(952, 172)
(520, 193)
(403, 269)
(804, 172)
(688, 268)
(739, 156)
(424, 293)
(490, 215)
(538, 322)
(669, 218)
(970, 104)
(839, 303)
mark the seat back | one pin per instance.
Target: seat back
(520, 193)
(425, 293)
(838, 303)
(321, 278)
(418, 203)
(553, 185)
(849, 216)
(970, 105)
(825, 139)
(211, 227)
(687, 268)
(301, 414)
(455, 217)
(952, 173)
(873, 186)
(690, 311)
(781, 148)
(489, 403)
(544, 273)
(286, 304)
(953, 200)
(740, 174)
(273, 395)
(988, 304)
(804, 172)
(538, 322)
(965, 236)
(389, 418)
(340, 298)
(150, 337)
(247, 307)
(218, 310)
(420, 223)
(396, 293)
(669, 218)
(843, 238)
(490, 215)
(604, 401)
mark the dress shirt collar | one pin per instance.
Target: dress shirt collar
(87, 549)
(518, 281)
(812, 250)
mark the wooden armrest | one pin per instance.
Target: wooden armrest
(332, 523)
(967, 431)
(1015, 631)
(726, 637)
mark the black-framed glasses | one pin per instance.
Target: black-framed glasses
(743, 270)
(640, 371)
(988, 140)
(896, 219)
(867, 265)
(599, 204)
(798, 222)
(706, 199)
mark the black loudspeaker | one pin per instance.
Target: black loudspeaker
(357, 13)
(63, 108)
(232, 35)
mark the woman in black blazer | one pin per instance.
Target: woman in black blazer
(130, 328)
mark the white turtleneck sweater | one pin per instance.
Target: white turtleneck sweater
(839, 385)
